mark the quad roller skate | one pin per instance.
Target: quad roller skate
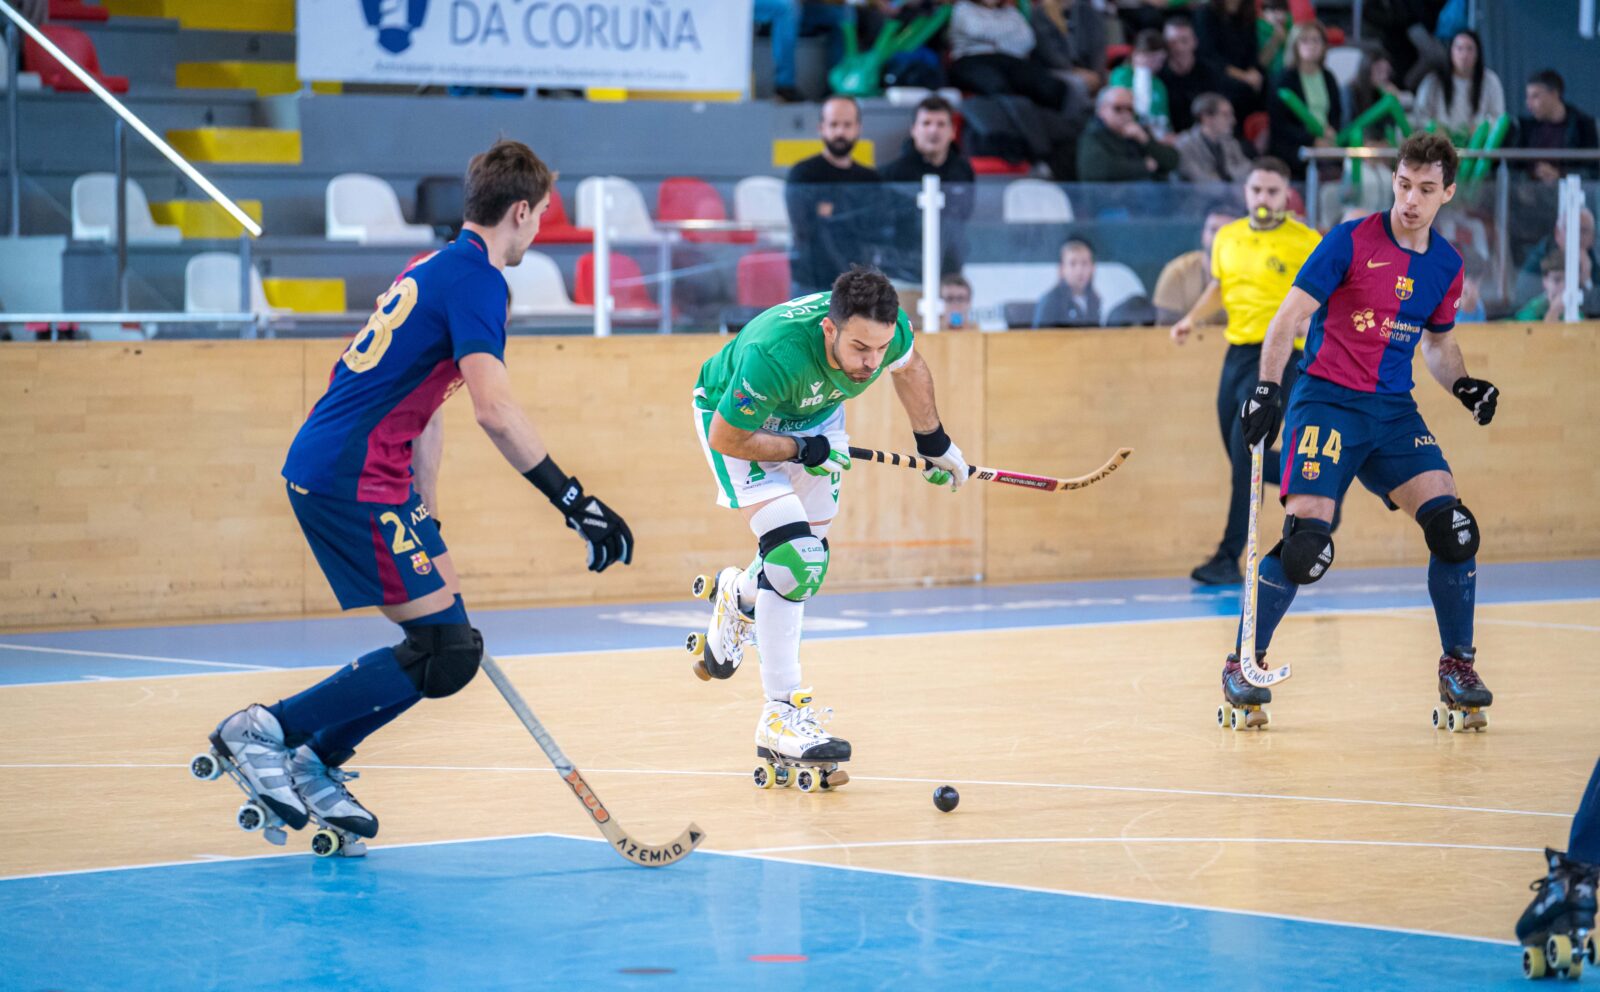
(1557, 929)
(1242, 703)
(1462, 694)
(795, 750)
(720, 650)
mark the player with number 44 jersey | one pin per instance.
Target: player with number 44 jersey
(769, 410)
(361, 477)
(1375, 291)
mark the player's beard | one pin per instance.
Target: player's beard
(840, 147)
(838, 361)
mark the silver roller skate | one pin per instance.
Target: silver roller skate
(345, 823)
(248, 747)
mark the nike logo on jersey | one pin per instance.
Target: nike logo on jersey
(1377, 265)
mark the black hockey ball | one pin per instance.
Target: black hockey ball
(946, 798)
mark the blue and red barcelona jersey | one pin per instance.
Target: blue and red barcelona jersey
(356, 444)
(1378, 299)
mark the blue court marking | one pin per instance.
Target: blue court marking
(557, 912)
(611, 627)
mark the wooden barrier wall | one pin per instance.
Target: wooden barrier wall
(143, 479)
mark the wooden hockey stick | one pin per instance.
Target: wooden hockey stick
(651, 856)
(1253, 673)
(1043, 483)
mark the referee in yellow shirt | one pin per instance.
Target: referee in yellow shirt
(1253, 265)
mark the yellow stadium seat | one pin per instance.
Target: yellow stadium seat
(788, 151)
(266, 78)
(203, 218)
(306, 295)
(256, 145)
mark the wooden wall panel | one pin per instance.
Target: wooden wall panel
(144, 478)
(1059, 402)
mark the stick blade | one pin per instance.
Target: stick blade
(653, 855)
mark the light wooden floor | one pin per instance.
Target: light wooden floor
(1087, 759)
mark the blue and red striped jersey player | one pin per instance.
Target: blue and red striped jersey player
(362, 475)
(1375, 291)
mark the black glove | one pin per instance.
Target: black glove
(1478, 395)
(814, 450)
(1262, 413)
(606, 534)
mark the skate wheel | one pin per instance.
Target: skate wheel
(763, 775)
(835, 778)
(1532, 962)
(251, 817)
(1453, 722)
(205, 767)
(325, 843)
(806, 779)
(695, 643)
(703, 586)
(1589, 950)
(1439, 718)
(1239, 720)
(1558, 951)
(1222, 717)
(782, 777)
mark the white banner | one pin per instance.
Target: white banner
(630, 44)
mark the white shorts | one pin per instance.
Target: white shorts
(741, 483)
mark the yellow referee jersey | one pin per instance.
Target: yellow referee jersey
(1256, 270)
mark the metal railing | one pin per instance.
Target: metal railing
(125, 119)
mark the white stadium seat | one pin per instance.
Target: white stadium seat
(1034, 201)
(365, 209)
(1344, 61)
(537, 289)
(626, 215)
(94, 212)
(1115, 284)
(759, 200)
(211, 285)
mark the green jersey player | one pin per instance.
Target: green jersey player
(769, 409)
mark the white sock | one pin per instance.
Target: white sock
(778, 639)
(747, 584)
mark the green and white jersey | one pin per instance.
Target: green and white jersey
(774, 375)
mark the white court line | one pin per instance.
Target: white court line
(979, 841)
(1424, 613)
(1099, 896)
(752, 856)
(137, 657)
(1082, 787)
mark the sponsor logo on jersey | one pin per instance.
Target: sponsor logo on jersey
(835, 395)
(1310, 470)
(1398, 330)
(394, 21)
(1377, 265)
(816, 387)
(751, 390)
(811, 401)
(420, 514)
(420, 563)
(1276, 265)
(1403, 287)
(746, 405)
(1423, 441)
(1363, 320)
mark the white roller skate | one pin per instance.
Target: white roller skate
(248, 747)
(720, 650)
(345, 823)
(795, 750)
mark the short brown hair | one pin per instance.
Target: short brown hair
(864, 292)
(1277, 166)
(500, 177)
(1554, 261)
(1424, 149)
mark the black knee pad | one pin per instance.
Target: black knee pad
(1306, 550)
(1451, 532)
(441, 659)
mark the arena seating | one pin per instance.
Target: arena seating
(211, 285)
(77, 46)
(365, 209)
(94, 212)
(763, 279)
(1034, 201)
(537, 289)
(688, 198)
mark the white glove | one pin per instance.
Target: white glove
(949, 467)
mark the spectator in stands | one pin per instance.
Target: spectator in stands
(1187, 73)
(1471, 309)
(1227, 30)
(1374, 81)
(792, 18)
(830, 202)
(1272, 35)
(1548, 305)
(956, 294)
(1464, 94)
(1552, 122)
(1115, 148)
(1072, 302)
(931, 150)
(1208, 152)
(1313, 86)
(1141, 75)
(990, 42)
(1070, 40)
(1405, 29)
(1184, 279)
(1556, 241)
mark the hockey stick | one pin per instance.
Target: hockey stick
(1043, 483)
(1253, 673)
(640, 854)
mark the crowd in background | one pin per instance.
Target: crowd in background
(1092, 91)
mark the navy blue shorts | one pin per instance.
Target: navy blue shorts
(374, 554)
(1327, 444)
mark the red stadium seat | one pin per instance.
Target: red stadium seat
(1297, 203)
(627, 284)
(990, 165)
(688, 198)
(556, 229)
(763, 279)
(77, 47)
(1255, 129)
(72, 10)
